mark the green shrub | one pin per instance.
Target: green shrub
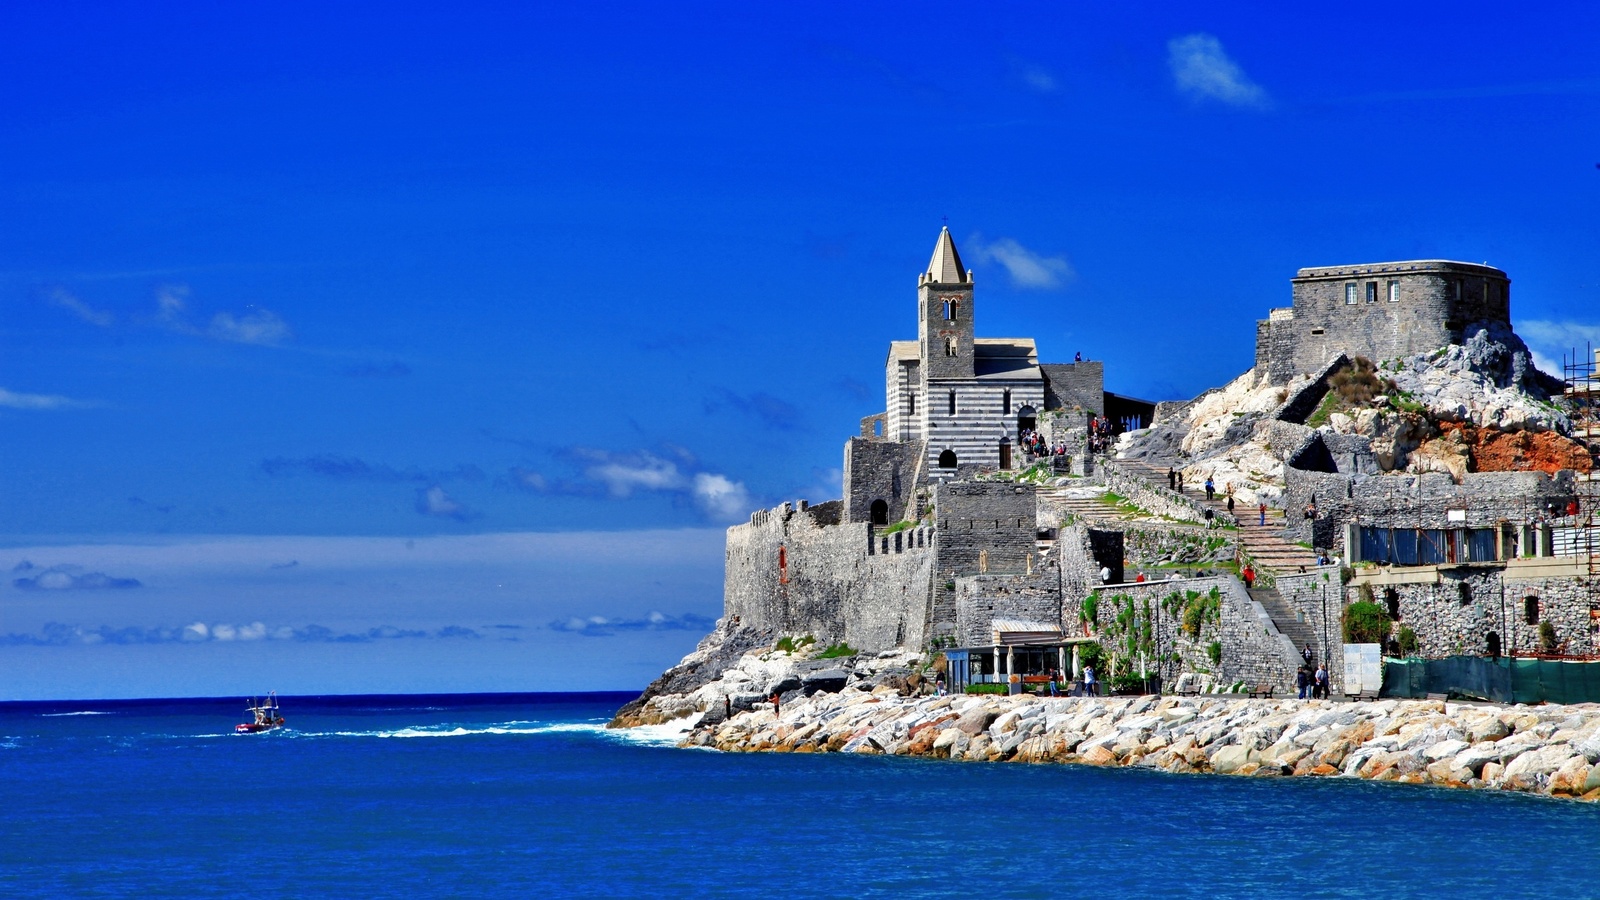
(1090, 611)
(1547, 636)
(836, 651)
(1407, 640)
(1214, 650)
(1364, 622)
(987, 688)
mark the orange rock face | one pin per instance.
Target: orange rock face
(1493, 450)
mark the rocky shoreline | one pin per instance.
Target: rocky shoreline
(1547, 750)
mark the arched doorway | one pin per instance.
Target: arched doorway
(947, 459)
(880, 512)
(1026, 419)
(1492, 644)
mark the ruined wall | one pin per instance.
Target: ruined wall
(1153, 498)
(994, 516)
(1453, 610)
(880, 470)
(790, 573)
(1415, 501)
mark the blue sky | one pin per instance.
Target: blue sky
(359, 275)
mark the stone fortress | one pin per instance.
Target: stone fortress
(950, 540)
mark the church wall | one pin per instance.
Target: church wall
(996, 517)
(1075, 384)
(974, 432)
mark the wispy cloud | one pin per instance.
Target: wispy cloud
(773, 412)
(67, 578)
(255, 325)
(350, 468)
(721, 498)
(1550, 342)
(433, 501)
(56, 634)
(1202, 70)
(1026, 268)
(18, 400)
(604, 626)
(1034, 76)
(65, 299)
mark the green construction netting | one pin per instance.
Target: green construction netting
(1503, 680)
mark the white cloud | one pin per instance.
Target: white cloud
(68, 301)
(721, 498)
(1203, 71)
(1038, 79)
(258, 326)
(1026, 268)
(433, 501)
(622, 474)
(261, 326)
(18, 400)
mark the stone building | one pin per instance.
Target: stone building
(1378, 310)
(956, 404)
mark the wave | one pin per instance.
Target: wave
(87, 712)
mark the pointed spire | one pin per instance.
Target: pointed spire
(945, 267)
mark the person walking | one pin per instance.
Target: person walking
(1263, 514)
(1211, 489)
(1230, 503)
(1088, 681)
(1180, 482)
(1307, 655)
(1302, 683)
(1319, 683)
(1249, 576)
(1172, 478)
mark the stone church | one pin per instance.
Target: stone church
(956, 403)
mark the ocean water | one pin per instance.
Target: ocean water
(528, 796)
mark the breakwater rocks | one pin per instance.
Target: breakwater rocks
(1550, 750)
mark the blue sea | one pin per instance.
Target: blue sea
(527, 795)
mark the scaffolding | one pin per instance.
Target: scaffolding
(1581, 371)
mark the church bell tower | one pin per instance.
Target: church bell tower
(944, 302)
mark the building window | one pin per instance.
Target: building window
(1350, 294)
(1372, 292)
(952, 403)
(947, 459)
(1005, 402)
(1392, 600)
(1530, 610)
(912, 399)
(1394, 292)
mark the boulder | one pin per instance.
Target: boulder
(976, 721)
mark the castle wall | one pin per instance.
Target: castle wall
(880, 470)
(1399, 309)
(1252, 649)
(1317, 597)
(994, 516)
(837, 583)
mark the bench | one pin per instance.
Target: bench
(1192, 690)
(1361, 695)
(1261, 691)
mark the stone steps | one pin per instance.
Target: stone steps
(1264, 544)
(1284, 617)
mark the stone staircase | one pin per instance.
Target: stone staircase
(1289, 624)
(1264, 544)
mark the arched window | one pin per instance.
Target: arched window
(880, 512)
(1392, 600)
(952, 402)
(1466, 592)
(947, 459)
(1530, 610)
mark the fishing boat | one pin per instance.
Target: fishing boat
(264, 714)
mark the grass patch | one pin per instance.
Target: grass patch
(791, 645)
(901, 525)
(836, 651)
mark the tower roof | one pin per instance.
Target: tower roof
(945, 267)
